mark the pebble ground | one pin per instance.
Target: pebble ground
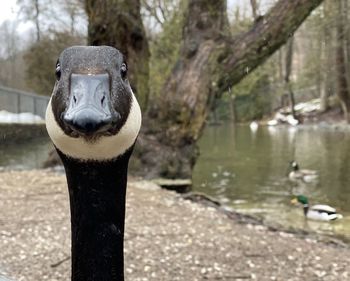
(167, 238)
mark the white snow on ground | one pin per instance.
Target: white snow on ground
(23, 118)
(284, 116)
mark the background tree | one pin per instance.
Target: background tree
(12, 67)
(164, 44)
(118, 23)
(32, 10)
(253, 97)
(156, 13)
(75, 10)
(197, 56)
(341, 56)
(288, 85)
(328, 57)
(210, 62)
(58, 23)
(41, 60)
(53, 16)
(254, 6)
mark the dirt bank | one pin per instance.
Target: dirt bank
(12, 133)
(167, 238)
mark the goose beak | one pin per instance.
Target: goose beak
(294, 201)
(90, 110)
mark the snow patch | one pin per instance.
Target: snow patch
(22, 118)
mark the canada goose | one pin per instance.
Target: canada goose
(298, 174)
(317, 212)
(93, 119)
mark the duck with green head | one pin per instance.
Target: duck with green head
(316, 212)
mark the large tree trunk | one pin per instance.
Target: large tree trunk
(328, 54)
(210, 62)
(328, 70)
(168, 140)
(118, 23)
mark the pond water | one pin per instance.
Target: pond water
(248, 171)
(28, 154)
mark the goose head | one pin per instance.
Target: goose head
(294, 165)
(93, 113)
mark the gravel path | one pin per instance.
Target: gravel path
(167, 238)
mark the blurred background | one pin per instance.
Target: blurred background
(293, 105)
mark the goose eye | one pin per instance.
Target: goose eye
(123, 70)
(58, 71)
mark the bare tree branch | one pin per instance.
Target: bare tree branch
(267, 35)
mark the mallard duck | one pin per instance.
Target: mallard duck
(298, 174)
(317, 212)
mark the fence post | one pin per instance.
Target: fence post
(35, 108)
(13, 101)
(18, 103)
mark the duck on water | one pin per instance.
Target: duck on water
(304, 175)
(318, 212)
(93, 119)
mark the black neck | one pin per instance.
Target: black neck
(97, 202)
(306, 209)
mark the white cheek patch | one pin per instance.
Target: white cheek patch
(104, 148)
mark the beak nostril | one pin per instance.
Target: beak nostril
(102, 100)
(87, 122)
(88, 112)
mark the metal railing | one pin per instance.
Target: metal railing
(17, 101)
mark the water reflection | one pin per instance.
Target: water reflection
(248, 170)
(28, 154)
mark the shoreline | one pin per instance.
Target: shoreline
(167, 237)
(231, 213)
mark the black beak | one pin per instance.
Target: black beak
(90, 110)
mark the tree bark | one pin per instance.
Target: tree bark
(210, 62)
(328, 52)
(118, 23)
(280, 64)
(288, 86)
(320, 77)
(36, 20)
(252, 48)
(231, 102)
(342, 81)
(254, 6)
(345, 16)
(175, 121)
